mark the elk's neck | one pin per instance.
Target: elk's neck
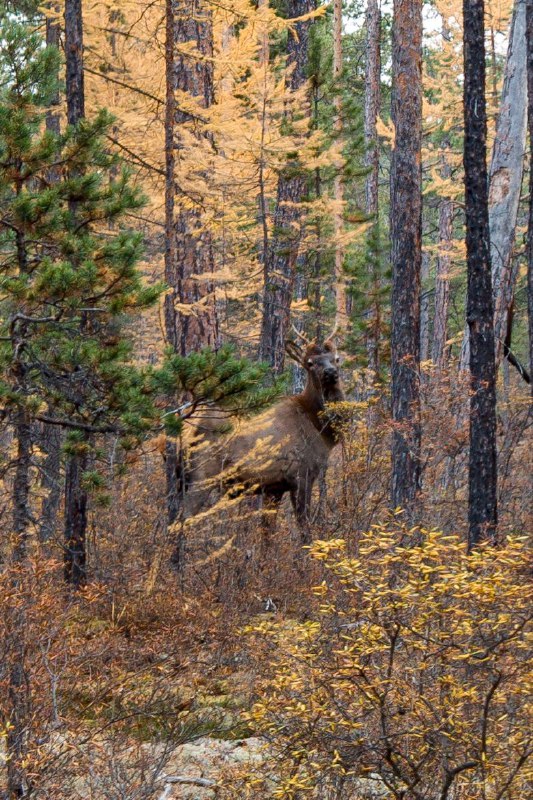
(314, 402)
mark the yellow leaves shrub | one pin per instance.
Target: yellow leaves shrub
(415, 671)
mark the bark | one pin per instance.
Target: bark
(76, 500)
(406, 255)
(74, 61)
(188, 249)
(75, 556)
(52, 40)
(505, 179)
(439, 349)
(529, 39)
(51, 440)
(21, 485)
(372, 105)
(424, 309)
(340, 287)
(280, 260)
(482, 500)
(17, 684)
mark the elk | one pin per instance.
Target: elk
(284, 449)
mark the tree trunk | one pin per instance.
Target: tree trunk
(505, 180)
(482, 500)
(529, 35)
(280, 260)
(424, 308)
(406, 255)
(52, 40)
(190, 252)
(340, 288)
(75, 556)
(439, 350)
(372, 104)
(17, 685)
(50, 435)
(51, 441)
(74, 61)
(76, 500)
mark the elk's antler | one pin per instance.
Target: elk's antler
(294, 351)
(300, 335)
(328, 339)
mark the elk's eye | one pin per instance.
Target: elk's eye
(337, 359)
(310, 362)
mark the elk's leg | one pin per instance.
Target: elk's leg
(301, 503)
(271, 501)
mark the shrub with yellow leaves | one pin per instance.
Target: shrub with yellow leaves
(412, 678)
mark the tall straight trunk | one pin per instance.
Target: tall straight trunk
(74, 61)
(340, 287)
(424, 308)
(505, 180)
(280, 261)
(190, 253)
(406, 255)
(529, 40)
(439, 351)
(52, 40)
(75, 554)
(18, 696)
(482, 499)
(372, 105)
(50, 435)
(76, 499)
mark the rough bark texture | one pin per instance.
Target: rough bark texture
(75, 557)
(74, 61)
(188, 247)
(439, 350)
(406, 254)
(52, 40)
(482, 509)
(75, 569)
(280, 261)
(51, 440)
(505, 179)
(340, 287)
(372, 105)
(424, 308)
(529, 39)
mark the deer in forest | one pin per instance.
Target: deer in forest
(284, 449)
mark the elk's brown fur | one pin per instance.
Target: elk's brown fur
(284, 449)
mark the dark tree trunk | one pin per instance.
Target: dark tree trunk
(74, 61)
(50, 435)
(439, 349)
(529, 37)
(76, 500)
(406, 255)
(21, 485)
(482, 504)
(372, 105)
(51, 440)
(18, 695)
(280, 259)
(189, 249)
(75, 556)
(52, 40)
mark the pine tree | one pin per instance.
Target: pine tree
(68, 285)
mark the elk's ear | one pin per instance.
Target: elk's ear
(295, 352)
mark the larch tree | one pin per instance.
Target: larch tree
(406, 249)
(190, 307)
(280, 259)
(482, 470)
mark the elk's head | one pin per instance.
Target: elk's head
(322, 364)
